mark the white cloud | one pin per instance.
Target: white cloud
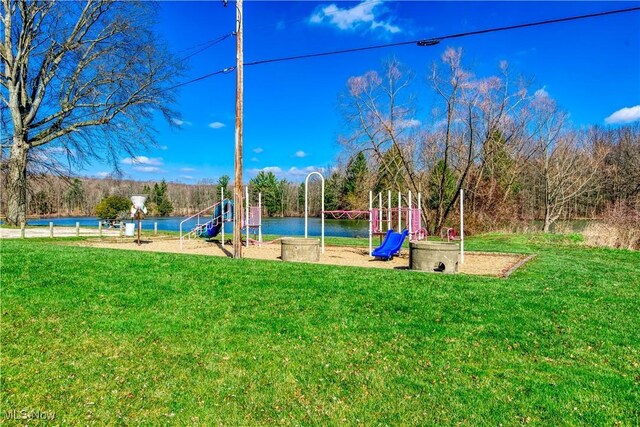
(147, 169)
(258, 150)
(365, 15)
(187, 177)
(102, 174)
(254, 159)
(180, 122)
(300, 154)
(142, 160)
(187, 170)
(624, 115)
(541, 93)
(275, 169)
(410, 123)
(164, 147)
(216, 125)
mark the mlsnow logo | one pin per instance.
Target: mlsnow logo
(29, 414)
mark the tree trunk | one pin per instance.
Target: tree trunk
(547, 220)
(17, 185)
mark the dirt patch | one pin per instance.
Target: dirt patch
(485, 264)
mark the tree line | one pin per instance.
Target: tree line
(511, 148)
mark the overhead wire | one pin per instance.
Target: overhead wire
(207, 46)
(435, 40)
(420, 42)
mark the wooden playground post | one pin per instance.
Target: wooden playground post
(22, 225)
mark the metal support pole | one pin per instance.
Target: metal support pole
(246, 214)
(409, 217)
(370, 223)
(222, 215)
(155, 228)
(461, 226)
(77, 229)
(22, 226)
(380, 211)
(389, 215)
(399, 212)
(237, 224)
(260, 218)
(306, 206)
(420, 210)
(51, 229)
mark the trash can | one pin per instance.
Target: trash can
(130, 229)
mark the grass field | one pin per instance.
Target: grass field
(126, 338)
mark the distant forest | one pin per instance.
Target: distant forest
(500, 190)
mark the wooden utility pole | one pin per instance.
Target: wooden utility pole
(237, 223)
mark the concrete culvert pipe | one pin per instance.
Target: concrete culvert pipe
(298, 249)
(434, 256)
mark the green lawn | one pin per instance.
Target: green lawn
(124, 338)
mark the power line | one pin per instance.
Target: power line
(207, 46)
(435, 40)
(420, 42)
(197, 79)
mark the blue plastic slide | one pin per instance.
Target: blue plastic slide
(218, 218)
(390, 245)
(211, 230)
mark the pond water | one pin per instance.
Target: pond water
(276, 226)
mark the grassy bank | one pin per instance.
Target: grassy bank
(115, 337)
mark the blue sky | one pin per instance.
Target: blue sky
(292, 120)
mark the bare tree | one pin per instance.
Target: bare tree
(80, 80)
(380, 117)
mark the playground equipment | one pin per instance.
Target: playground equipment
(221, 213)
(391, 245)
(377, 217)
(448, 233)
(138, 210)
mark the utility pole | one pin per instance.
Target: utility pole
(237, 223)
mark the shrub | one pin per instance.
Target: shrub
(112, 207)
(619, 228)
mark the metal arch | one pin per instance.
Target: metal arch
(306, 206)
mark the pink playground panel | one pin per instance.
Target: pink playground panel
(380, 222)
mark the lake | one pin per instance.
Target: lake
(276, 226)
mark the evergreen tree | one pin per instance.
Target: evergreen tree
(390, 171)
(223, 182)
(332, 192)
(355, 181)
(160, 199)
(267, 184)
(441, 185)
(75, 195)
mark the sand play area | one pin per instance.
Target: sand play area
(485, 264)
